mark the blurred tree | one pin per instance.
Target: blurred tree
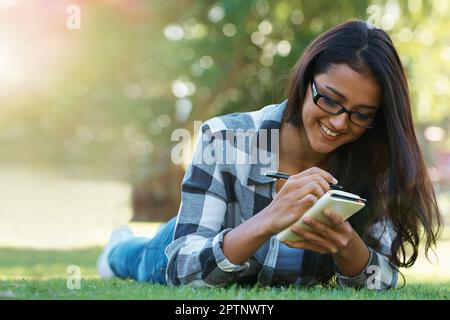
(234, 56)
(141, 69)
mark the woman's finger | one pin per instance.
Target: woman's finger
(320, 228)
(305, 203)
(314, 177)
(336, 220)
(313, 187)
(329, 246)
(315, 170)
(313, 238)
(306, 246)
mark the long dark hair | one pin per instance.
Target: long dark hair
(385, 164)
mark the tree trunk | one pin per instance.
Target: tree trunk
(157, 198)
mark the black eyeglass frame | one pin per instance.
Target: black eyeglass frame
(316, 96)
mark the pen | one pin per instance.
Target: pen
(285, 176)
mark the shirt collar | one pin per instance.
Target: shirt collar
(271, 121)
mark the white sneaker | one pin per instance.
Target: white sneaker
(118, 235)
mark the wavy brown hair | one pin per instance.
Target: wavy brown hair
(385, 164)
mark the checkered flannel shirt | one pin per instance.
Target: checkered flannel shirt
(217, 197)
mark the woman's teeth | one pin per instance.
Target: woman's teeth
(328, 131)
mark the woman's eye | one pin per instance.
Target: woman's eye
(361, 116)
(330, 103)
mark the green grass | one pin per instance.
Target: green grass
(127, 289)
(37, 274)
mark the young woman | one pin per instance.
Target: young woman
(347, 118)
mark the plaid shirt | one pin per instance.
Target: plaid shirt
(217, 197)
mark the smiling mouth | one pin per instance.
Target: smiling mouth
(328, 131)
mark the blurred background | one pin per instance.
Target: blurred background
(90, 92)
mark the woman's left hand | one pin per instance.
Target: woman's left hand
(322, 238)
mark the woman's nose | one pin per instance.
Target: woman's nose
(340, 122)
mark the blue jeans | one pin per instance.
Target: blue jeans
(143, 259)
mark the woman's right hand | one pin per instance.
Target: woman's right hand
(296, 196)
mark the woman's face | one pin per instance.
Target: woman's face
(354, 91)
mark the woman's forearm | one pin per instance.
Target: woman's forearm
(352, 260)
(242, 242)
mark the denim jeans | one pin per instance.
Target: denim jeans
(143, 259)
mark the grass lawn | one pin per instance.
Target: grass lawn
(64, 212)
(42, 274)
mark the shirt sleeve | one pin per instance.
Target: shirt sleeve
(379, 274)
(195, 256)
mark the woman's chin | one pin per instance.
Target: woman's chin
(324, 148)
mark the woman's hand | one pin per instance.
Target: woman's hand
(334, 240)
(296, 196)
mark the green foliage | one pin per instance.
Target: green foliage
(126, 86)
(113, 110)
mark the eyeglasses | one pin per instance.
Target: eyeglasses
(333, 107)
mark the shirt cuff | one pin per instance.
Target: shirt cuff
(222, 262)
(360, 279)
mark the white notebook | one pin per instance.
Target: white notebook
(343, 203)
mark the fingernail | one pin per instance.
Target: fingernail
(326, 212)
(307, 220)
(335, 181)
